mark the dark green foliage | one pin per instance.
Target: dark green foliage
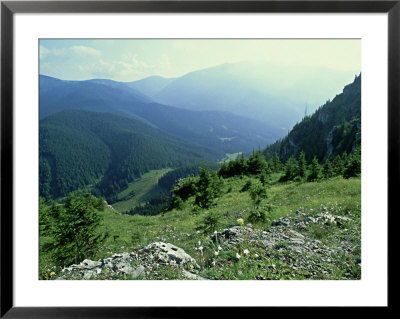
(45, 178)
(184, 188)
(72, 228)
(44, 217)
(265, 178)
(315, 171)
(339, 162)
(258, 215)
(346, 135)
(353, 167)
(152, 207)
(168, 180)
(290, 170)
(256, 162)
(327, 169)
(302, 166)
(338, 120)
(209, 223)
(208, 187)
(237, 166)
(258, 192)
(176, 202)
(275, 163)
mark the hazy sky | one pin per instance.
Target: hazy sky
(129, 60)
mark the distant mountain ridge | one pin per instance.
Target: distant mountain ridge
(224, 131)
(273, 94)
(151, 85)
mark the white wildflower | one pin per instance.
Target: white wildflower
(216, 253)
(238, 256)
(219, 248)
(246, 252)
(256, 255)
(201, 248)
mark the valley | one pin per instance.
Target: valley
(141, 190)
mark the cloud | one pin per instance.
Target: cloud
(84, 51)
(43, 52)
(82, 62)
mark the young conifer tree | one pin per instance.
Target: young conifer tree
(302, 165)
(74, 229)
(315, 170)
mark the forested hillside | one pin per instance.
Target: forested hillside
(78, 148)
(333, 129)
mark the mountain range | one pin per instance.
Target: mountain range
(103, 134)
(221, 130)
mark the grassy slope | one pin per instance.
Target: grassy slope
(144, 188)
(179, 226)
(287, 198)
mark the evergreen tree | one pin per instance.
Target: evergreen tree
(74, 229)
(258, 192)
(290, 169)
(265, 178)
(337, 165)
(315, 170)
(256, 162)
(44, 178)
(302, 166)
(277, 165)
(327, 169)
(205, 190)
(353, 167)
(241, 164)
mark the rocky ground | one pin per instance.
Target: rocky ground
(305, 245)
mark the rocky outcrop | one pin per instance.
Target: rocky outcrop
(139, 264)
(285, 242)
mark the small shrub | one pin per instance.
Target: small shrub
(258, 192)
(209, 223)
(257, 216)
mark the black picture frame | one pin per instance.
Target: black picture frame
(9, 8)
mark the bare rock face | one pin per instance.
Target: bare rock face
(167, 253)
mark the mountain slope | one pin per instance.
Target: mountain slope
(223, 131)
(274, 94)
(78, 148)
(151, 85)
(333, 129)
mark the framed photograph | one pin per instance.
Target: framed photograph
(159, 155)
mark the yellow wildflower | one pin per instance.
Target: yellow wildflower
(240, 221)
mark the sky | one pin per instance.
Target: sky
(133, 59)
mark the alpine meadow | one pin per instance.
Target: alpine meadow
(185, 159)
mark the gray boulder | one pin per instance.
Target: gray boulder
(168, 253)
